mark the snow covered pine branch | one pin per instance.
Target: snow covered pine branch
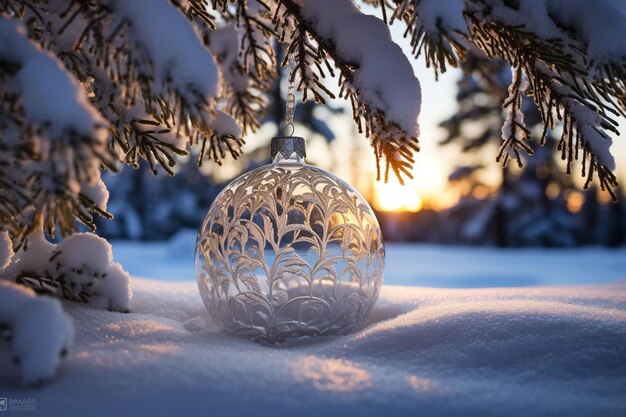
(115, 87)
(568, 57)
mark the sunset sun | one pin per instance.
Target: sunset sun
(392, 196)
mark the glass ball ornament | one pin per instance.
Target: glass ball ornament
(289, 250)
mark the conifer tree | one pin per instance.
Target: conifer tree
(527, 207)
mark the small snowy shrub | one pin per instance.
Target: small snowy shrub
(80, 268)
(34, 330)
(84, 264)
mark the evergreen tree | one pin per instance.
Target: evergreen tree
(589, 217)
(611, 229)
(617, 219)
(520, 211)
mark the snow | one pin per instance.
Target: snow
(224, 43)
(39, 333)
(31, 260)
(514, 116)
(416, 264)
(81, 264)
(98, 193)
(50, 97)
(173, 47)
(223, 124)
(86, 260)
(444, 352)
(599, 29)
(435, 15)
(384, 76)
(602, 27)
(536, 349)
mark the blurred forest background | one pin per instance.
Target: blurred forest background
(467, 198)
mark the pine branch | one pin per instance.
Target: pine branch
(247, 108)
(41, 284)
(257, 56)
(197, 10)
(388, 139)
(244, 96)
(583, 135)
(124, 86)
(610, 86)
(514, 131)
(147, 139)
(220, 5)
(215, 146)
(441, 46)
(308, 59)
(443, 41)
(12, 196)
(383, 5)
(559, 88)
(12, 8)
(58, 210)
(53, 152)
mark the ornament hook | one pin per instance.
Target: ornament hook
(287, 128)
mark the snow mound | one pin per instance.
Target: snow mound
(34, 333)
(440, 352)
(87, 260)
(80, 268)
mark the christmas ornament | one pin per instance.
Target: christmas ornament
(289, 250)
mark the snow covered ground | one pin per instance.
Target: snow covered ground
(416, 264)
(538, 350)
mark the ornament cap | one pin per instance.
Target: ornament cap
(287, 146)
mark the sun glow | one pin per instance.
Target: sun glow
(395, 197)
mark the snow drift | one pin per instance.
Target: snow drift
(436, 352)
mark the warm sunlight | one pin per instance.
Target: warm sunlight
(395, 197)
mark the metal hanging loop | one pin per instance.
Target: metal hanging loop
(288, 129)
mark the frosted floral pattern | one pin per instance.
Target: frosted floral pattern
(289, 250)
